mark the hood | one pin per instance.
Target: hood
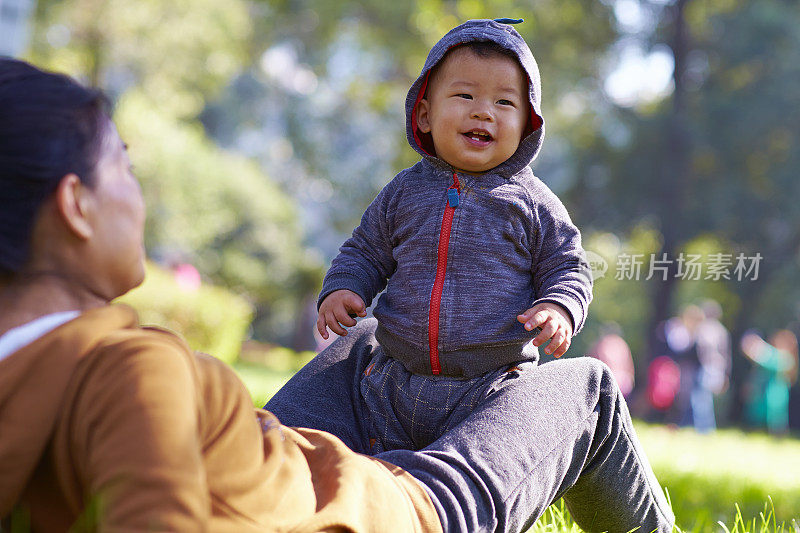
(507, 37)
(33, 381)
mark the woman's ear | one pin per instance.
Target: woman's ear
(73, 202)
(423, 116)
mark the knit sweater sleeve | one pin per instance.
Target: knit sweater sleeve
(365, 260)
(561, 273)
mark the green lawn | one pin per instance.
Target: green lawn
(707, 476)
(261, 381)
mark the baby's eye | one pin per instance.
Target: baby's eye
(505, 102)
(465, 96)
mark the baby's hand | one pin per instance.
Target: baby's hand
(555, 324)
(337, 308)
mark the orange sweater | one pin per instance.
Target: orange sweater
(123, 428)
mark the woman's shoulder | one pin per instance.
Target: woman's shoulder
(125, 355)
(143, 356)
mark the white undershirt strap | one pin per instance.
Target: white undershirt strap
(21, 336)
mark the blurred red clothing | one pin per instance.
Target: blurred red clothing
(663, 382)
(614, 352)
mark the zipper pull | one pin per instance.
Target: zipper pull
(452, 197)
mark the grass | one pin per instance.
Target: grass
(727, 481)
(727, 473)
(261, 381)
(557, 520)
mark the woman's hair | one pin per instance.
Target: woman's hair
(50, 126)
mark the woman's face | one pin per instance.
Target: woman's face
(118, 219)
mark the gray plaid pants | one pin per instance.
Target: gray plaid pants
(492, 452)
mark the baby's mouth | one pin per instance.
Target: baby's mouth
(478, 135)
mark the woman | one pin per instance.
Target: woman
(106, 425)
(111, 426)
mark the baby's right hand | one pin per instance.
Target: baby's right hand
(336, 308)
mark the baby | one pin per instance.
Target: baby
(475, 252)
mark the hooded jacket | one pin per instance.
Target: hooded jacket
(462, 255)
(108, 426)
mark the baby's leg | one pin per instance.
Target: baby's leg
(325, 394)
(559, 429)
(410, 411)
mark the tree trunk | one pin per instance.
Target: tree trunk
(673, 183)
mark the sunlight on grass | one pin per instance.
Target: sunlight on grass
(765, 523)
(262, 382)
(556, 519)
(710, 476)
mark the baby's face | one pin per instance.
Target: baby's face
(476, 110)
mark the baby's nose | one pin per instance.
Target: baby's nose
(481, 111)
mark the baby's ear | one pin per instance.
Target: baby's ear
(423, 116)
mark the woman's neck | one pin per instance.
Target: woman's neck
(29, 296)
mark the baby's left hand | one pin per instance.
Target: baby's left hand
(555, 323)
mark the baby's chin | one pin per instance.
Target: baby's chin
(471, 169)
(475, 167)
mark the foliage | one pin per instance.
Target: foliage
(323, 108)
(208, 207)
(739, 119)
(211, 319)
(178, 53)
(219, 212)
(710, 166)
(618, 301)
(626, 302)
(313, 93)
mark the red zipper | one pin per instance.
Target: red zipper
(441, 268)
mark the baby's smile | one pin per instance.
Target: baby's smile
(479, 137)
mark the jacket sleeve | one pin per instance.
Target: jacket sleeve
(365, 260)
(561, 273)
(137, 441)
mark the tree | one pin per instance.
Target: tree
(161, 61)
(714, 158)
(323, 108)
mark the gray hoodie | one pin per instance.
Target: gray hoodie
(463, 255)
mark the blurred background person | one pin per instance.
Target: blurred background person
(663, 382)
(681, 335)
(612, 349)
(700, 345)
(768, 391)
(713, 349)
(663, 376)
